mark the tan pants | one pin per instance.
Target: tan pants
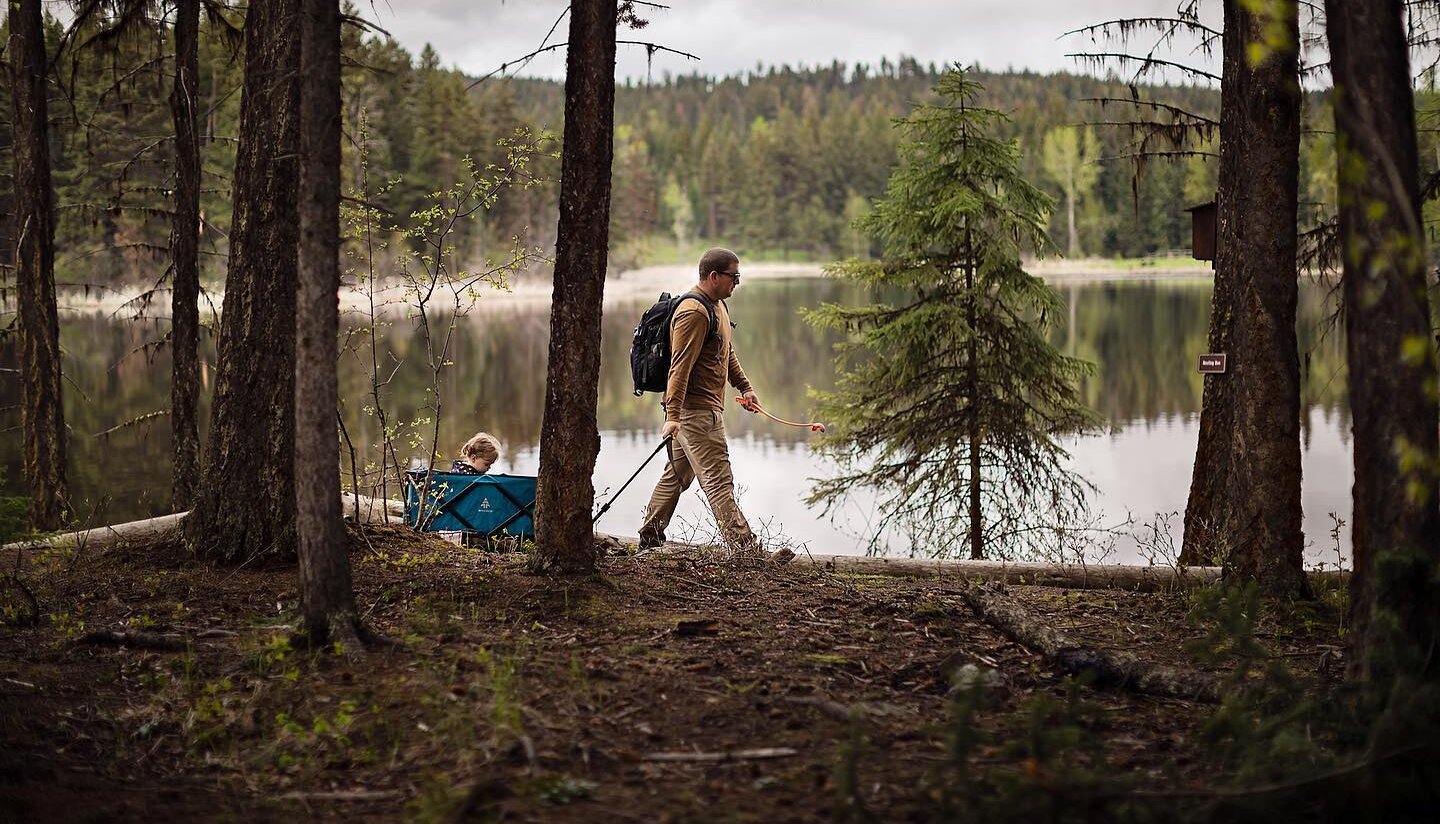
(699, 451)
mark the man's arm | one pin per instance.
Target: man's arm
(737, 375)
(741, 382)
(687, 335)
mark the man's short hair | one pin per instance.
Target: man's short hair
(717, 260)
(483, 447)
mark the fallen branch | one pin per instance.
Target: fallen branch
(139, 640)
(342, 795)
(733, 755)
(1067, 576)
(1110, 669)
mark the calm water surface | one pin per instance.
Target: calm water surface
(1143, 336)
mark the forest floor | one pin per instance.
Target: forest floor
(670, 687)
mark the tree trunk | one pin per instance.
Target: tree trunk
(1073, 251)
(1392, 370)
(977, 517)
(569, 437)
(245, 506)
(1244, 508)
(41, 411)
(327, 601)
(185, 249)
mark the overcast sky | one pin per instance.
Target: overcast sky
(731, 36)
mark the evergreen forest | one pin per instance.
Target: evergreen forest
(778, 162)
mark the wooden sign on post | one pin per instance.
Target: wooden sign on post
(1212, 363)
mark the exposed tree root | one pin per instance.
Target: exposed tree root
(349, 635)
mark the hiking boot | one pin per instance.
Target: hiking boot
(650, 538)
(782, 556)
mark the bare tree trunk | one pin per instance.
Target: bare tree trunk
(42, 413)
(1244, 507)
(185, 249)
(1073, 250)
(977, 517)
(327, 600)
(1392, 369)
(569, 436)
(245, 505)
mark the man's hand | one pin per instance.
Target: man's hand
(669, 430)
(752, 401)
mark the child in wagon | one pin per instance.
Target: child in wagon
(477, 455)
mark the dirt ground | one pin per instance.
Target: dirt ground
(666, 688)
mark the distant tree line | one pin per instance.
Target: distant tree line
(778, 162)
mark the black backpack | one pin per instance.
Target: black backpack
(650, 348)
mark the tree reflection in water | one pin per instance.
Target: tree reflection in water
(1143, 335)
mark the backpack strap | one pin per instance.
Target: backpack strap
(709, 306)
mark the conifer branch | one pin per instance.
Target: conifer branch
(1146, 63)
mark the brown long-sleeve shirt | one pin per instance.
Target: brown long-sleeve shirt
(700, 364)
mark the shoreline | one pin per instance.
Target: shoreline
(644, 282)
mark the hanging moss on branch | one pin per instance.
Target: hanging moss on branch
(951, 400)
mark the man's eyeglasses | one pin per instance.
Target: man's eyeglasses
(734, 276)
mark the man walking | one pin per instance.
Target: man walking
(701, 362)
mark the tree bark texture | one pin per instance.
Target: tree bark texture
(569, 435)
(1244, 508)
(41, 409)
(1392, 370)
(245, 506)
(327, 600)
(185, 251)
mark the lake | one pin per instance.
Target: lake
(1144, 336)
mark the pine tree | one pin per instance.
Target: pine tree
(954, 389)
(327, 599)
(245, 504)
(1249, 520)
(33, 233)
(1395, 591)
(569, 439)
(185, 253)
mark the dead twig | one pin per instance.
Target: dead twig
(713, 757)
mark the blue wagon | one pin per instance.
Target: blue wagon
(483, 506)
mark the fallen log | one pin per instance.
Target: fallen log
(1065, 576)
(1109, 669)
(1131, 577)
(103, 536)
(372, 511)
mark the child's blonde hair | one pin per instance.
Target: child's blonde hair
(483, 448)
